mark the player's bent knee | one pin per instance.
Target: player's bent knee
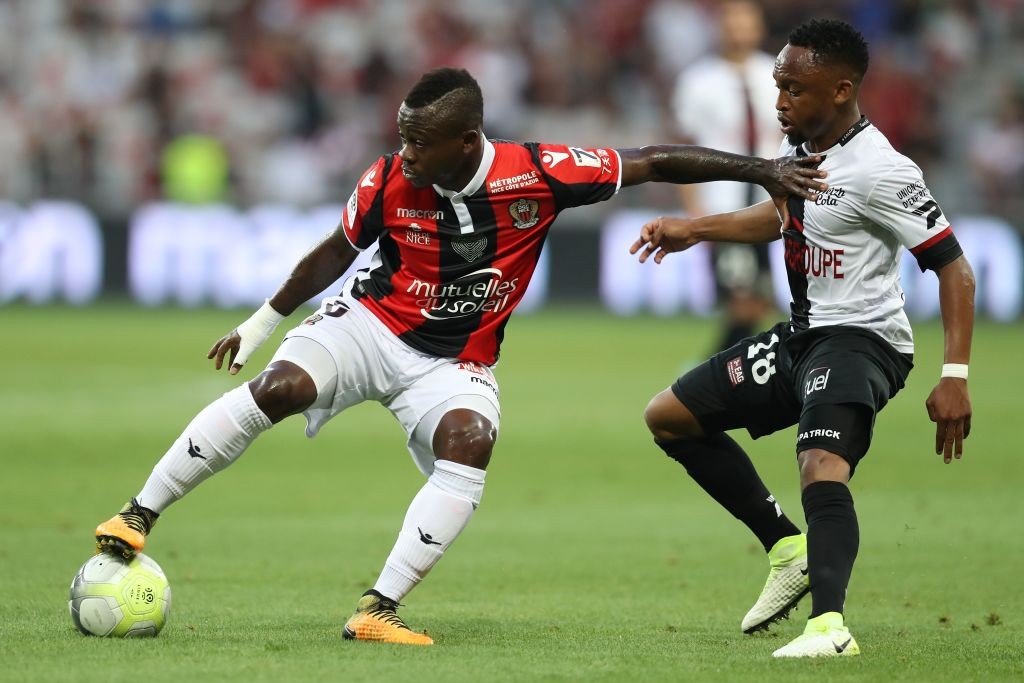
(817, 464)
(283, 389)
(668, 419)
(833, 440)
(466, 437)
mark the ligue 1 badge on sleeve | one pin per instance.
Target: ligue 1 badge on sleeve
(524, 213)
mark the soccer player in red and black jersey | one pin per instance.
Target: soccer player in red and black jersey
(456, 222)
(846, 350)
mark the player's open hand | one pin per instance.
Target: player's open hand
(246, 338)
(663, 236)
(949, 407)
(798, 176)
(228, 345)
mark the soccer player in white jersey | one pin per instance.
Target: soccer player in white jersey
(458, 222)
(846, 350)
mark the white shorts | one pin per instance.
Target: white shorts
(353, 357)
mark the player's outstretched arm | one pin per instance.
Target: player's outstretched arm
(949, 404)
(322, 265)
(691, 164)
(666, 235)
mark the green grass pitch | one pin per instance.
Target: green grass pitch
(592, 558)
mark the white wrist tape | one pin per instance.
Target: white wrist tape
(954, 370)
(256, 330)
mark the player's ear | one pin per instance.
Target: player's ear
(469, 139)
(844, 91)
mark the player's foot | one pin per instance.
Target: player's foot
(787, 583)
(125, 533)
(825, 636)
(377, 619)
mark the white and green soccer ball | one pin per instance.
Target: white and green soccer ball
(117, 598)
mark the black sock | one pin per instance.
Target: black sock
(832, 541)
(720, 466)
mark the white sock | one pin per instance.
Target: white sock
(213, 440)
(437, 515)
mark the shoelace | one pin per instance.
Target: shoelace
(135, 521)
(387, 612)
(136, 518)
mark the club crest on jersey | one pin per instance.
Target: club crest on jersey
(524, 213)
(470, 250)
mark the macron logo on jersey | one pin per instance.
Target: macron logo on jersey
(420, 213)
(368, 180)
(552, 159)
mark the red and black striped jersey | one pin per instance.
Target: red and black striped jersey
(450, 267)
(843, 250)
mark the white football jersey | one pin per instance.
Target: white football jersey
(843, 250)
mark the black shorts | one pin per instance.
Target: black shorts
(832, 381)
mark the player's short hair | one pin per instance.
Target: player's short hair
(833, 42)
(456, 93)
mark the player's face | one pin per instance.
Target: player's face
(431, 154)
(808, 95)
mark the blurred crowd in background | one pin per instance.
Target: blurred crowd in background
(118, 102)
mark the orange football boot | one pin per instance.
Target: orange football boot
(125, 533)
(376, 619)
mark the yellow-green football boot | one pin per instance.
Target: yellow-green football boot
(824, 636)
(787, 583)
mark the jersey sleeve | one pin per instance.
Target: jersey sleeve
(363, 217)
(578, 175)
(901, 203)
